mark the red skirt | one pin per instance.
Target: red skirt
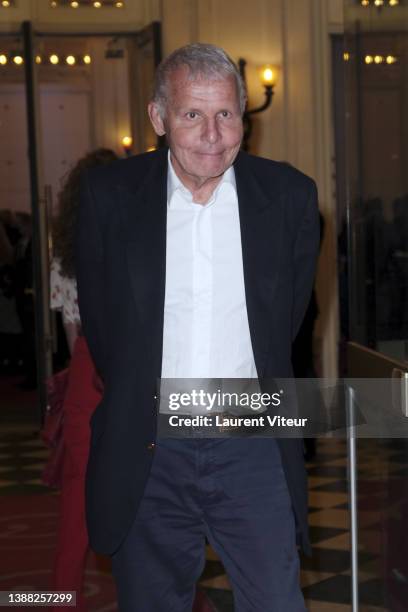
(82, 397)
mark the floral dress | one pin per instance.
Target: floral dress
(63, 294)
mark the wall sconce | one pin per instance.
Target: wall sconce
(115, 49)
(127, 145)
(268, 76)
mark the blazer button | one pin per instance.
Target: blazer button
(151, 446)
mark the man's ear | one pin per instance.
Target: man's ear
(156, 119)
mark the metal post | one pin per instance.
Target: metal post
(352, 474)
(34, 134)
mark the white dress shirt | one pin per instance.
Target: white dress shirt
(206, 331)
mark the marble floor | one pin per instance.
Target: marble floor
(325, 577)
(383, 564)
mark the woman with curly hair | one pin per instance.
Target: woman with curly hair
(82, 395)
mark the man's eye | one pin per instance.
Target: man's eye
(225, 114)
(191, 115)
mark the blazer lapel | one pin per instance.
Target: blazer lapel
(261, 221)
(144, 215)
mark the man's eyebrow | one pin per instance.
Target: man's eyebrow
(188, 109)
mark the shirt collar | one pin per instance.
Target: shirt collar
(175, 185)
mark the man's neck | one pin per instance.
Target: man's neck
(200, 189)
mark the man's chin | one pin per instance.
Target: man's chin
(208, 176)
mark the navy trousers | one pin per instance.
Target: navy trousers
(232, 491)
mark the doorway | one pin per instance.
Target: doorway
(62, 96)
(372, 152)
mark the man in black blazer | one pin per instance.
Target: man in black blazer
(156, 233)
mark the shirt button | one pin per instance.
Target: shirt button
(151, 446)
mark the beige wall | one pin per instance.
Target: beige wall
(297, 128)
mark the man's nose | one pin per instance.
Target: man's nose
(211, 131)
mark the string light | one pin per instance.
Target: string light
(82, 3)
(380, 59)
(379, 3)
(5, 3)
(346, 56)
(71, 60)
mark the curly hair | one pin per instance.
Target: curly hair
(68, 202)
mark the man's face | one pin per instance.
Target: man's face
(203, 125)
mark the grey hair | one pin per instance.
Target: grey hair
(202, 60)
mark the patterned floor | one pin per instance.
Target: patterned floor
(325, 577)
(29, 514)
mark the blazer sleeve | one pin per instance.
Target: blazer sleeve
(89, 268)
(306, 252)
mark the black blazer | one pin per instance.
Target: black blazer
(120, 267)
